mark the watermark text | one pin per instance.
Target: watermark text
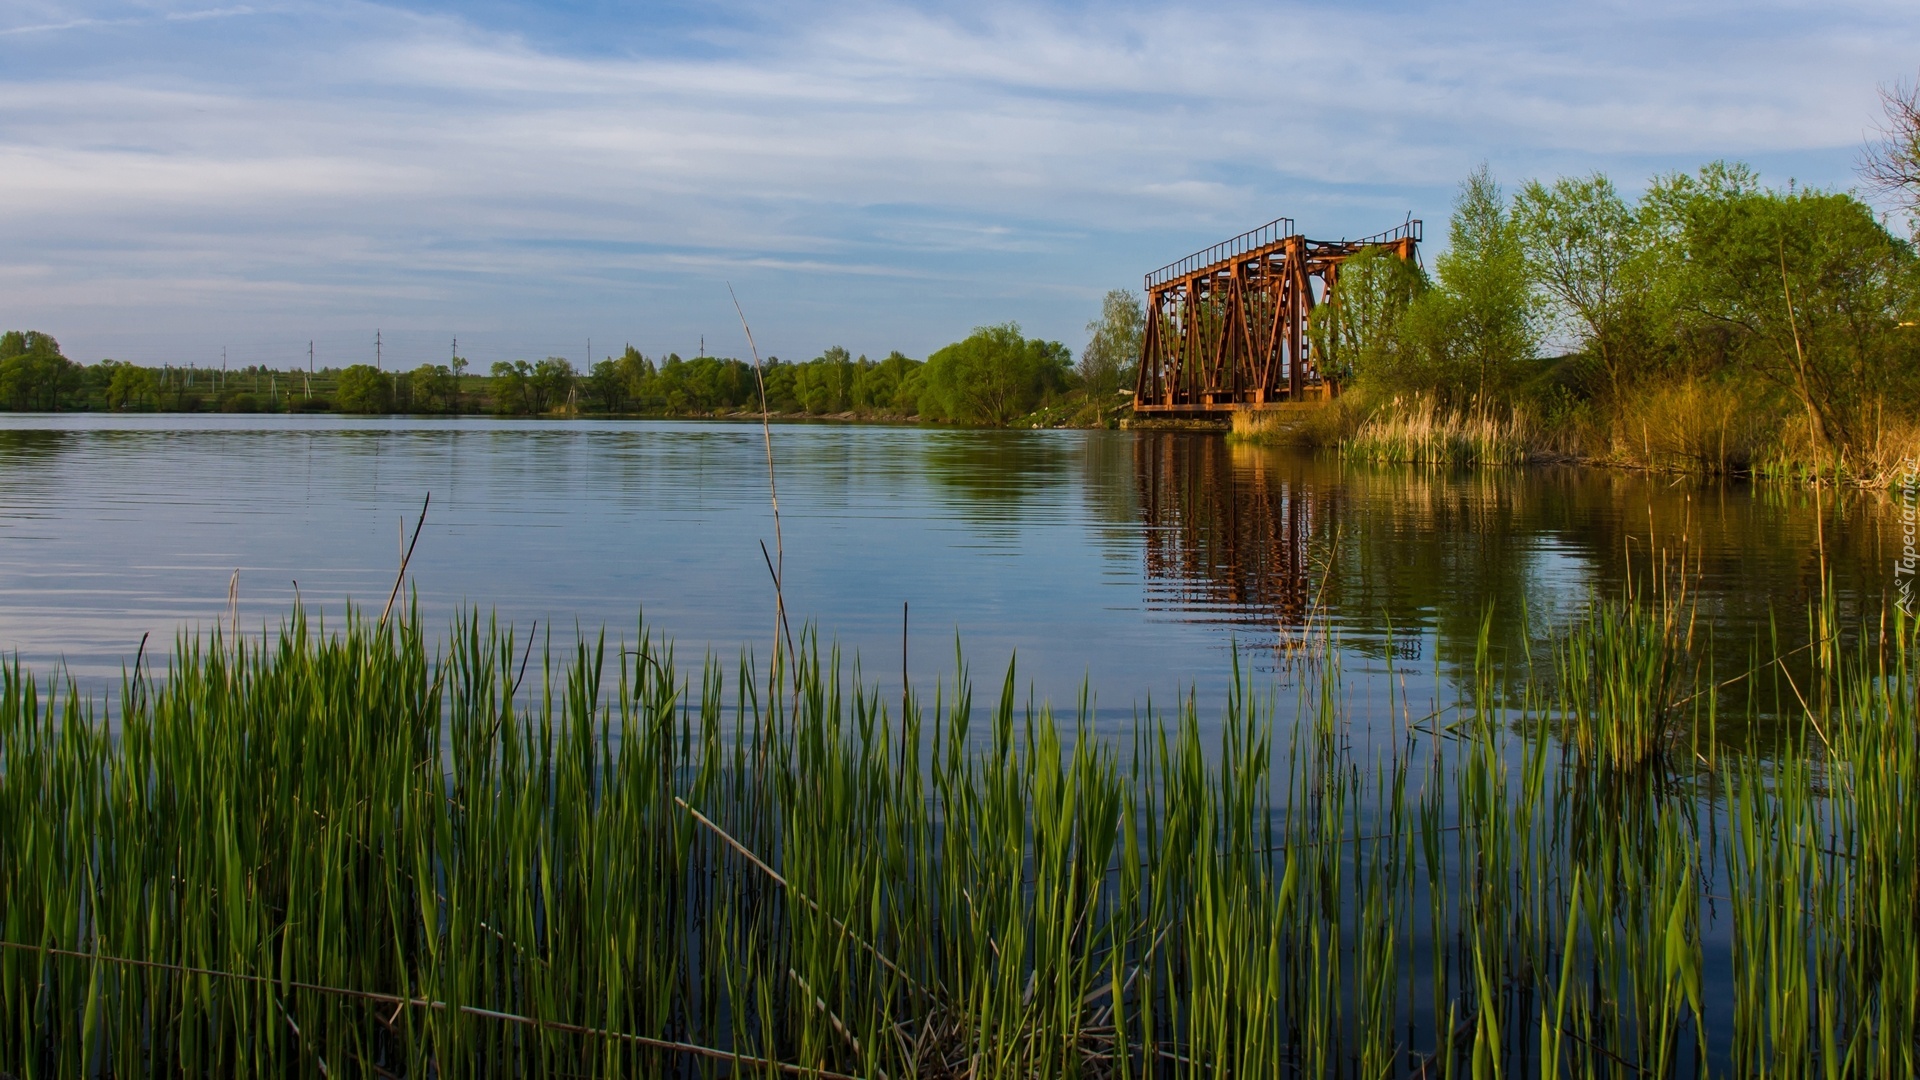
(1906, 494)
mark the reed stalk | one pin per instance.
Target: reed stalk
(340, 851)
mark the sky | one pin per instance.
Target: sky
(180, 181)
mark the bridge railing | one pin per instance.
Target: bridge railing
(1410, 230)
(1272, 231)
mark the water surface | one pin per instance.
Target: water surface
(1136, 562)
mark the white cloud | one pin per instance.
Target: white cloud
(369, 150)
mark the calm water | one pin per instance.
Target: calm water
(1138, 562)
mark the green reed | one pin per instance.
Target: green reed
(343, 852)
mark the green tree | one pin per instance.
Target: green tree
(18, 343)
(711, 383)
(620, 385)
(513, 390)
(129, 388)
(1584, 246)
(523, 389)
(34, 376)
(1475, 331)
(780, 381)
(364, 389)
(994, 375)
(1113, 343)
(1805, 289)
(825, 383)
(1357, 333)
(553, 384)
(426, 389)
(890, 386)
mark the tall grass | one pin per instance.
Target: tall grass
(1308, 426)
(339, 852)
(1621, 669)
(1418, 430)
(1688, 425)
(1887, 457)
(1721, 428)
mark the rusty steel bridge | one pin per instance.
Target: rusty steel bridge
(1227, 327)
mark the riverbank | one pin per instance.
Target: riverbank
(1681, 430)
(1684, 431)
(599, 862)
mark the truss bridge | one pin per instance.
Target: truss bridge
(1227, 327)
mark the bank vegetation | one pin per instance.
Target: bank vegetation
(995, 376)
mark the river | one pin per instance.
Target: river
(1135, 563)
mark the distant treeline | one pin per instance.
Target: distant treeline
(994, 376)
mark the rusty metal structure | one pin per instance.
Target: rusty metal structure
(1227, 327)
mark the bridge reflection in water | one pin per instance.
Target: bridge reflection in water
(1406, 563)
(1230, 536)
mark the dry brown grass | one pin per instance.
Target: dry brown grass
(1305, 428)
(1890, 452)
(1689, 426)
(1418, 430)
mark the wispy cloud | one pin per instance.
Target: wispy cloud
(535, 169)
(80, 22)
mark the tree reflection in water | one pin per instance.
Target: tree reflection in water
(1413, 562)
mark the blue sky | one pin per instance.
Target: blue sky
(176, 179)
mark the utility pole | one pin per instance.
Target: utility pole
(703, 346)
(376, 349)
(458, 366)
(223, 367)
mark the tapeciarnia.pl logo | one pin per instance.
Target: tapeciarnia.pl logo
(1904, 564)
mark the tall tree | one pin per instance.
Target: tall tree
(1582, 244)
(129, 387)
(1892, 164)
(1476, 329)
(890, 386)
(1113, 342)
(33, 374)
(1807, 290)
(1356, 334)
(364, 389)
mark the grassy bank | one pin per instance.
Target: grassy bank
(1688, 427)
(343, 852)
(1419, 431)
(1397, 431)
